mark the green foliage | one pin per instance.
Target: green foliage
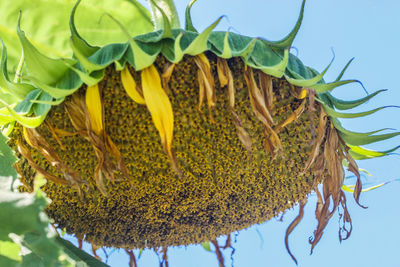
(25, 236)
(47, 23)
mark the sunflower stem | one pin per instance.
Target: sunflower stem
(169, 9)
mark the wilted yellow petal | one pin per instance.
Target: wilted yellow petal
(205, 69)
(159, 106)
(294, 116)
(202, 91)
(226, 78)
(166, 76)
(26, 136)
(204, 59)
(94, 106)
(223, 79)
(130, 86)
(303, 93)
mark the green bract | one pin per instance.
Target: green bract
(48, 80)
(43, 83)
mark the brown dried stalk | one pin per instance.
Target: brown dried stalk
(293, 225)
(218, 252)
(132, 258)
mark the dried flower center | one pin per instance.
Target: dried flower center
(235, 171)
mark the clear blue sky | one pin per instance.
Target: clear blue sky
(369, 31)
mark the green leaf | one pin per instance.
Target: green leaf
(200, 43)
(288, 40)
(344, 70)
(82, 50)
(240, 45)
(170, 13)
(42, 108)
(140, 253)
(299, 75)
(108, 54)
(46, 69)
(326, 87)
(25, 227)
(9, 253)
(270, 61)
(65, 87)
(18, 90)
(206, 246)
(172, 50)
(25, 106)
(49, 102)
(188, 18)
(217, 40)
(78, 254)
(5, 116)
(46, 23)
(166, 26)
(350, 188)
(30, 122)
(359, 139)
(140, 58)
(333, 113)
(344, 105)
(80, 44)
(7, 159)
(359, 153)
(88, 79)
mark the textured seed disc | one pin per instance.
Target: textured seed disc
(224, 188)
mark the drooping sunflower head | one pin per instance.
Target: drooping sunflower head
(178, 137)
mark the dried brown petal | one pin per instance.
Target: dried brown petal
(227, 79)
(94, 248)
(257, 101)
(40, 144)
(344, 219)
(257, 98)
(54, 134)
(103, 145)
(354, 169)
(318, 141)
(266, 89)
(27, 155)
(293, 225)
(243, 135)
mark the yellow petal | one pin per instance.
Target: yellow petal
(130, 86)
(94, 106)
(159, 106)
(303, 93)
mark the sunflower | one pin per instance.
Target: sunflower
(177, 137)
